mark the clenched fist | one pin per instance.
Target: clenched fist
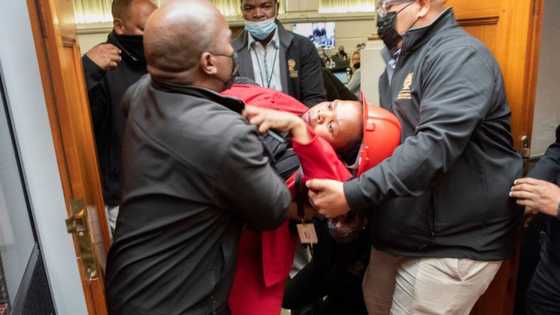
(106, 56)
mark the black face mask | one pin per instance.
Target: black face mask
(357, 65)
(133, 46)
(386, 28)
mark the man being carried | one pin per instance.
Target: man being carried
(362, 136)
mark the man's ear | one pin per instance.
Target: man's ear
(207, 64)
(425, 6)
(118, 26)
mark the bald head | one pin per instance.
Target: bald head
(177, 35)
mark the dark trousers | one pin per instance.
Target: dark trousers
(331, 283)
(543, 296)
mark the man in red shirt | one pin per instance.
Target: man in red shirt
(320, 137)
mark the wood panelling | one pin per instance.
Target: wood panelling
(510, 28)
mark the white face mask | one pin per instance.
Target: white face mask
(261, 29)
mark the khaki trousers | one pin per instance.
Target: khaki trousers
(398, 285)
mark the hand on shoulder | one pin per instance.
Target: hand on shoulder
(105, 56)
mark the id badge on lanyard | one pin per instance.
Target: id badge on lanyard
(306, 229)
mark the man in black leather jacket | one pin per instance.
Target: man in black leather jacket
(194, 173)
(440, 217)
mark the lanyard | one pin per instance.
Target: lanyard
(267, 76)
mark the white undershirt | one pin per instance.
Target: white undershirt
(266, 62)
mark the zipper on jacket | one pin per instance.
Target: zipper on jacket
(433, 218)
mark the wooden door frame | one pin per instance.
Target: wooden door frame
(50, 38)
(532, 67)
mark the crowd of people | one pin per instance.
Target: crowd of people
(241, 177)
(348, 67)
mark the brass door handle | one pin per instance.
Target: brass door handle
(78, 225)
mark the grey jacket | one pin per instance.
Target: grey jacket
(304, 81)
(444, 192)
(194, 174)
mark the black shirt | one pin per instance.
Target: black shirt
(444, 191)
(105, 91)
(195, 172)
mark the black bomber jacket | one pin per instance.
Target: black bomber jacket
(194, 173)
(444, 192)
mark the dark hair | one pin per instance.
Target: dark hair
(119, 8)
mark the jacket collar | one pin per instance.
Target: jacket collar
(228, 102)
(112, 39)
(417, 37)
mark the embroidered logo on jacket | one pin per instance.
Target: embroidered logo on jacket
(406, 92)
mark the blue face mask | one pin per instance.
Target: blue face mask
(262, 29)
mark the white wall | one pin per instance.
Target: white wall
(547, 105)
(372, 66)
(30, 119)
(351, 33)
(87, 41)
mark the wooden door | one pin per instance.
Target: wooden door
(58, 52)
(511, 29)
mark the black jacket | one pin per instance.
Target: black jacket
(548, 168)
(444, 192)
(305, 81)
(336, 90)
(105, 91)
(195, 172)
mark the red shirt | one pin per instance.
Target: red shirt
(265, 258)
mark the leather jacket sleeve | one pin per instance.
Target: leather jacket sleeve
(97, 93)
(250, 186)
(458, 87)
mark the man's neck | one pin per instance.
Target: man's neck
(267, 40)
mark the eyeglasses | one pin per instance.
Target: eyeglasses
(382, 7)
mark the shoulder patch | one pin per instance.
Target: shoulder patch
(406, 91)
